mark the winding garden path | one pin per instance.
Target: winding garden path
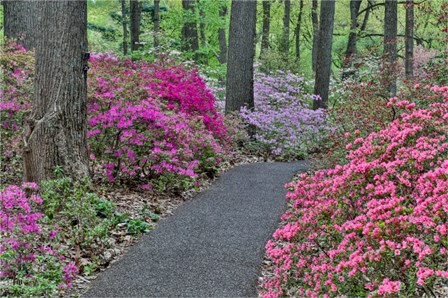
(212, 246)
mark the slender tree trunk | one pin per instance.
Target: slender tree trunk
(156, 22)
(409, 55)
(56, 130)
(19, 21)
(323, 63)
(352, 38)
(222, 37)
(136, 15)
(286, 20)
(266, 27)
(315, 21)
(189, 30)
(202, 31)
(124, 21)
(390, 45)
(240, 68)
(298, 31)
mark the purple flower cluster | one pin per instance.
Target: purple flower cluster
(286, 125)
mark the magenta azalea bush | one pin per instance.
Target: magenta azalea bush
(376, 226)
(31, 263)
(286, 125)
(153, 123)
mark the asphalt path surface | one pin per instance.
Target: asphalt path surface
(212, 246)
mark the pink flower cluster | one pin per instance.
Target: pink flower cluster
(15, 98)
(25, 250)
(377, 225)
(153, 123)
(148, 121)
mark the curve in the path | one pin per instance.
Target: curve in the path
(212, 246)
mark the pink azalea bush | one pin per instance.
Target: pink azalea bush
(153, 123)
(16, 69)
(376, 226)
(31, 263)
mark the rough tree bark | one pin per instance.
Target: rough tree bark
(19, 21)
(156, 22)
(56, 129)
(135, 16)
(315, 21)
(298, 31)
(266, 27)
(240, 68)
(409, 42)
(189, 30)
(286, 20)
(352, 39)
(222, 36)
(390, 45)
(323, 63)
(124, 22)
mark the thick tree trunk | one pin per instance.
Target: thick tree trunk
(409, 43)
(390, 45)
(266, 27)
(352, 38)
(136, 14)
(124, 22)
(240, 68)
(323, 63)
(156, 22)
(56, 130)
(298, 31)
(286, 20)
(222, 37)
(19, 21)
(189, 30)
(315, 21)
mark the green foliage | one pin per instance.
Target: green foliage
(85, 219)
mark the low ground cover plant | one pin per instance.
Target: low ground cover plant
(32, 262)
(377, 225)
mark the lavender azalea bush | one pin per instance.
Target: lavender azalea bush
(286, 125)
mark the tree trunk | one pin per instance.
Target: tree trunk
(202, 32)
(19, 21)
(315, 21)
(390, 45)
(286, 19)
(409, 55)
(189, 30)
(124, 21)
(240, 67)
(136, 15)
(222, 37)
(298, 31)
(56, 130)
(266, 27)
(352, 38)
(156, 22)
(323, 63)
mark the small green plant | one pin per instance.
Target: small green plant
(138, 226)
(85, 218)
